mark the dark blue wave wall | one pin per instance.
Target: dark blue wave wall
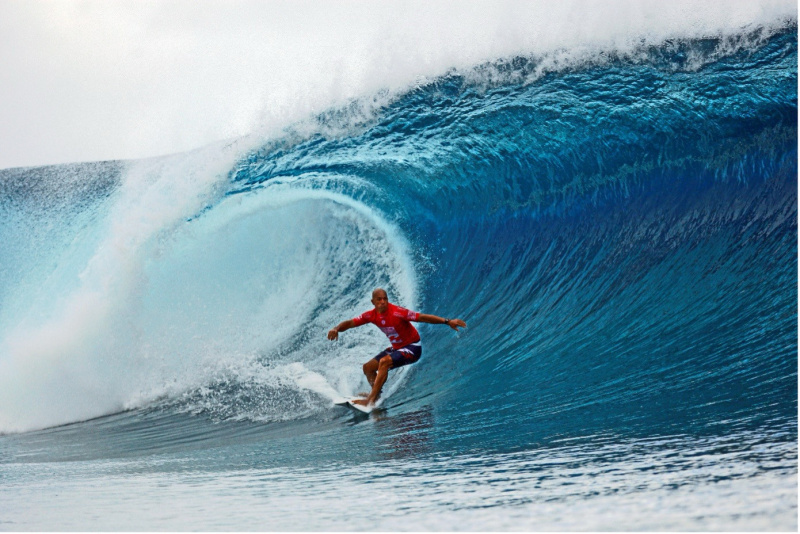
(621, 238)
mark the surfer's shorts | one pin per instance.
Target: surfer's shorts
(404, 356)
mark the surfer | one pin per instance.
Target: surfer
(395, 322)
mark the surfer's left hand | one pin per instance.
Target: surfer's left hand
(455, 323)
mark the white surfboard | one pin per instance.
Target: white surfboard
(357, 407)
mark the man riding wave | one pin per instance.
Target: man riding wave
(395, 322)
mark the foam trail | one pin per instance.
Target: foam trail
(313, 381)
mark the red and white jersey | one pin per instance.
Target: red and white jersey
(394, 323)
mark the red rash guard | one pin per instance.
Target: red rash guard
(394, 323)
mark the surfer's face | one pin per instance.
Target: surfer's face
(381, 301)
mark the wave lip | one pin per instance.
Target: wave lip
(224, 80)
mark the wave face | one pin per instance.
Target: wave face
(620, 235)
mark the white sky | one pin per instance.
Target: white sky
(119, 79)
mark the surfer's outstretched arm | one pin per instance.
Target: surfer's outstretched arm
(333, 333)
(434, 319)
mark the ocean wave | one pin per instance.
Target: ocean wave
(618, 230)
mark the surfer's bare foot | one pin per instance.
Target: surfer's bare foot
(361, 402)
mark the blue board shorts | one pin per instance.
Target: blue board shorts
(403, 356)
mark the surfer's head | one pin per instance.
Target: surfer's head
(380, 299)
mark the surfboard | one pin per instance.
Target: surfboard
(357, 407)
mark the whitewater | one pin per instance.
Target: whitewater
(614, 216)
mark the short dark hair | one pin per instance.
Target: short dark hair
(374, 291)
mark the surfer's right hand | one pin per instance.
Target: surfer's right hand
(333, 334)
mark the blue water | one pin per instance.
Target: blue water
(620, 236)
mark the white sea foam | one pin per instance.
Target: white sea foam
(115, 79)
(169, 301)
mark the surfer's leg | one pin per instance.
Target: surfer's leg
(377, 369)
(371, 367)
(371, 371)
(380, 379)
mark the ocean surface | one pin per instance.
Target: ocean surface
(619, 232)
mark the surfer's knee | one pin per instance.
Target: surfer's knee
(370, 367)
(385, 364)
